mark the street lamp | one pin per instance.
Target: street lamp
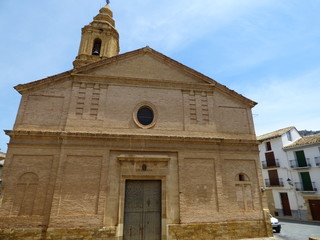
(289, 182)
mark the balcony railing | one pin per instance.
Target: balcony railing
(295, 164)
(300, 186)
(274, 182)
(271, 164)
(317, 160)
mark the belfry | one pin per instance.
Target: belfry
(99, 39)
(132, 146)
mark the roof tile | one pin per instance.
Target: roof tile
(274, 134)
(307, 140)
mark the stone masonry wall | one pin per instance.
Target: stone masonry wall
(210, 231)
(21, 234)
(57, 234)
(220, 231)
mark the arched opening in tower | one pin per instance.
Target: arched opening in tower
(96, 47)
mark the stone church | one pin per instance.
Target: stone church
(132, 146)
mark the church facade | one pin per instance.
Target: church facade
(131, 146)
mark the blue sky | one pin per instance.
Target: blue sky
(267, 50)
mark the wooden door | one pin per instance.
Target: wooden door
(271, 161)
(315, 209)
(273, 177)
(306, 181)
(285, 204)
(302, 162)
(142, 212)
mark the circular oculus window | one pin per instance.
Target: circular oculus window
(144, 116)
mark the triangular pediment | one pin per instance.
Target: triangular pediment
(145, 63)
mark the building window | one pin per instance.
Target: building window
(289, 136)
(241, 177)
(96, 47)
(268, 146)
(145, 115)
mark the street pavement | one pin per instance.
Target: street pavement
(295, 230)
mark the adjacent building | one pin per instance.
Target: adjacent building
(131, 146)
(291, 172)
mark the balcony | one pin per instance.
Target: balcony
(295, 164)
(317, 160)
(270, 164)
(274, 182)
(305, 187)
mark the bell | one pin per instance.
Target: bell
(95, 52)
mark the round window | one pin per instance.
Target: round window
(145, 115)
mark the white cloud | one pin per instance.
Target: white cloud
(290, 101)
(175, 24)
(262, 48)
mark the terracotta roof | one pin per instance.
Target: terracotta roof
(307, 140)
(274, 134)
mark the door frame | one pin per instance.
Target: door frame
(122, 201)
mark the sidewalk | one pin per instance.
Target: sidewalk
(286, 219)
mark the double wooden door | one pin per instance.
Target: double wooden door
(142, 211)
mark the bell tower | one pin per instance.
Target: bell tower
(99, 39)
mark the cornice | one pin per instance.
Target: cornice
(146, 82)
(132, 137)
(22, 88)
